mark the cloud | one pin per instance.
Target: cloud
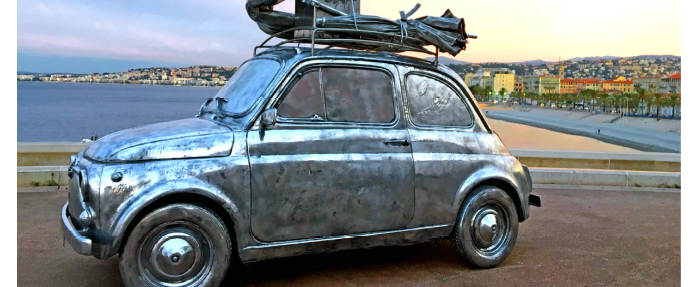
(186, 32)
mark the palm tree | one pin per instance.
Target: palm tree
(593, 94)
(617, 99)
(657, 101)
(634, 101)
(476, 90)
(555, 97)
(502, 92)
(641, 96)
(674, 100)
(578, 98)
(488, 92)
(603, 97)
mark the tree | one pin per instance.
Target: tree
(488, 92)
(657, 101)
(603, 97)
(476, 90)
(503, 92)
(675, 99)
(593, 94)
(578, 98)
(633, 101)
(642, 92)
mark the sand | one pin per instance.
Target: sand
(642, 134)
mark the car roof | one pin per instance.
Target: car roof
(292, 55)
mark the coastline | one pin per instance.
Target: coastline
(562, 125)
(54, 82)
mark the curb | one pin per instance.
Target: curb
(53, 176)
(597, 177)
(603, 188)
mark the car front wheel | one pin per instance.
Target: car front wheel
(176, 245)
(486, 227)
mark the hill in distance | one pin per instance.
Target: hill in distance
(450, 61)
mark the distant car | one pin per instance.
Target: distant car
(563, 106)
(300, 154)
(552, 105)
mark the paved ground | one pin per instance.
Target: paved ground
(579, 237)
(629, 136)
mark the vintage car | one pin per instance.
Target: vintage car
(297, 154)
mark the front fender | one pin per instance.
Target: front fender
(134, 205)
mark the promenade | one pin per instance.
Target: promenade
(590, 237)
(640, 138)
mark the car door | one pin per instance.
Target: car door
(449, 144)
(338, 161)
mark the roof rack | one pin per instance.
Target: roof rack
(355, 39)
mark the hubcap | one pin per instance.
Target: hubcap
(489, 227)
(175, 255)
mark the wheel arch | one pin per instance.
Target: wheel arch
(491, 177)
(194, 192)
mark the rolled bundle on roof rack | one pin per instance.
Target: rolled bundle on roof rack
(446, 32)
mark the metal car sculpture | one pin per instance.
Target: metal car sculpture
(304, 150)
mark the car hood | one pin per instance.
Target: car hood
(188, 138)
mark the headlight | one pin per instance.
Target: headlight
(84, 186)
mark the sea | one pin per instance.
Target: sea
(71, 112)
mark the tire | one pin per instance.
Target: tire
(176, 245)
(474, 237)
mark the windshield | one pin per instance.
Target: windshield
(245, 87)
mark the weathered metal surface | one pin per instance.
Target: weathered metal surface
(188, 138)
(347, 181)
(309, 183)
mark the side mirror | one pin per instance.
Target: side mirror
(268, 118)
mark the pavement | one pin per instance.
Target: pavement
(639, 138)
(590, 237)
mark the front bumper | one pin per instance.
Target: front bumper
(80, 243)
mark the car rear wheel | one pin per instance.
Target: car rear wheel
(176, 245)
(486, 227)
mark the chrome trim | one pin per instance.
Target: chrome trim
(80, 243)
(346, 242)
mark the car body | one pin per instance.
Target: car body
(287, 183)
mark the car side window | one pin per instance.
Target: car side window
(358, 95)
(304, 99)
(433, 103)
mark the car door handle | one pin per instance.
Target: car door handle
(397, 142)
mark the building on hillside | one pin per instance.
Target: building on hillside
(467, 79)
(541, 84)
(620, 84)
(504, 81)
(649, 83)
(550, 84)
(531, 84)
(518, 84)
(568, 86)
(671, 85)
(588, 84)
(497, 79)
(635, 68)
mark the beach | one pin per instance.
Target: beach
(636, 133)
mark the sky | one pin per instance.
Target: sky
(87, 36)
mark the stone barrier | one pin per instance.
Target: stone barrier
(45, 164)
(597, 177)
